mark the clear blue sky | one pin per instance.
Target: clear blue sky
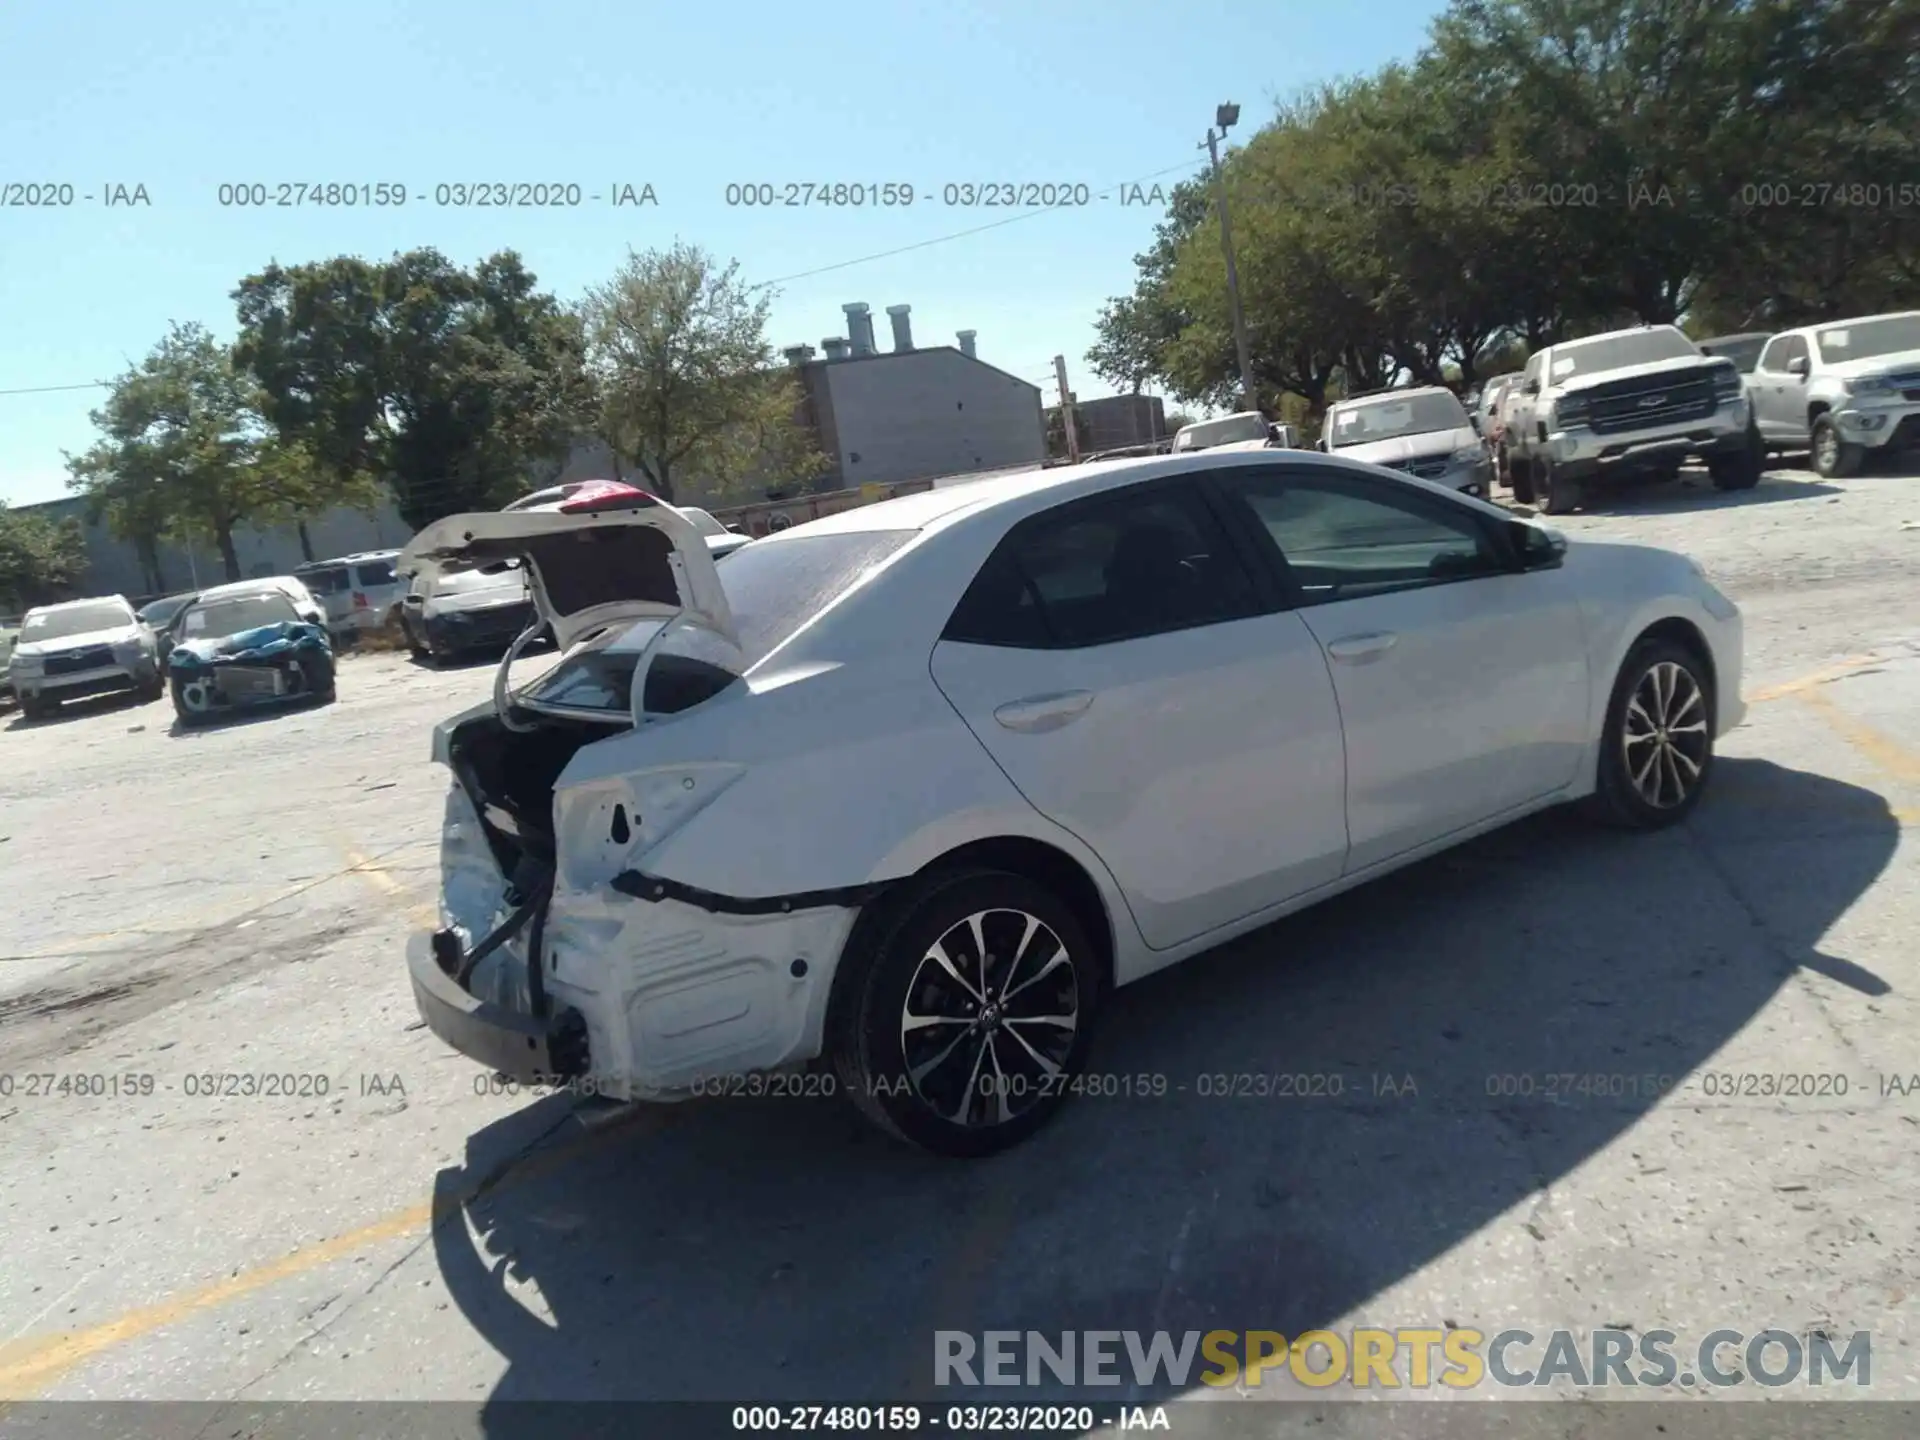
(181, 98)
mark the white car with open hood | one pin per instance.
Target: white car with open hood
(928, 778)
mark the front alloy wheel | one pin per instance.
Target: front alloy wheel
(1833, 457)
(966, 1024)
(1657, 751)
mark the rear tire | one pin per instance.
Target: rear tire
(1656, 748)
(1833, 458)
(959, 1058)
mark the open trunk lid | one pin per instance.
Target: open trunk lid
(606, 555)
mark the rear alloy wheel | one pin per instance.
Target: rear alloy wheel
(1656, 752)
(1834, 458)
(966, 1023)
(1559, 495)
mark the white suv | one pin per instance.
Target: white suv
(1843, 391)
(83, 647)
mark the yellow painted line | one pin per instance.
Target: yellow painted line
(423, 917)
(1840, 669)
(30, 1366)
(1883, 750)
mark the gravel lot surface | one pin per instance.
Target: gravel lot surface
(234, 901)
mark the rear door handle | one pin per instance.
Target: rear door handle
(1358, 649)
(1038, 714)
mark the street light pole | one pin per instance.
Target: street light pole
(1224, 117)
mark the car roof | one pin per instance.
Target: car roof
(933, 509)
(76, 604)
(260, 586)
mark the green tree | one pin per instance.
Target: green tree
(40, 559)
(686, 386)
(176, 443)
(448, 387)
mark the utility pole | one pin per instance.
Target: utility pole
(1066, 410)
(1224, 117)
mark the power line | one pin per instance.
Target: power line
(975, 230)
(1032, 214)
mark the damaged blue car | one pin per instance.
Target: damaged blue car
(249, 644)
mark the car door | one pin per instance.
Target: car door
(1765, 385)
(1461, 677)
(1130, 670)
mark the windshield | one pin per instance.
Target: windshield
(237, 615)
(1870, 340)
(1389, 418)
(160, 612)
(1616, 352)
(80, 620)
(1745, 353)
(1233, 430)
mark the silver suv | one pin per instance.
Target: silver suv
(1624, 405)
(83, 647)
(1843, 391)
(359, 592)
(1424, 431)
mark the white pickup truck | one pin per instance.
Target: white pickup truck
(1624, 405)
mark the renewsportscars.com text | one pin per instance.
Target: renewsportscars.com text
(1414, 1358)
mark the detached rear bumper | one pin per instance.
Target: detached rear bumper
(519, 1046)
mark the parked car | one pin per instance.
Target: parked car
(1424, 431)
(1845, 391)
(444, 616)
(8, 635)
(159, 616)
(80, 648)
(1245, 430)
(921, 782)
(248, 644)
(720, 540)
(359, 591)
(1629, 404)
(1486, 408)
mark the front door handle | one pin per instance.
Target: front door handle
(1038, 714)
(1358, 649)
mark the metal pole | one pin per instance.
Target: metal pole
(1233, 275)
(1066, 409)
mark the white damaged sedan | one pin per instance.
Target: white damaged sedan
(899, 803)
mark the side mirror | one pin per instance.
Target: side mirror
(1321, 445)
(1532, 387)
(1537, 547)
(1799, 366)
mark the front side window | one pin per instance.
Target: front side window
(1094, 574)
(1774, 357)
(1342, 539)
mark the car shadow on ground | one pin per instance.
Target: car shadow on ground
(216, 721)
(1695, 491)
(776, 1250)
(124, 701)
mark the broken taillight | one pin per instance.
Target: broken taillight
(595, 495)
(360, 601)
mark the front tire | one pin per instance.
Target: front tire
(1739, 469)
(1656, 750)
(967, 1019)
(1559, 494)
(1834, 458)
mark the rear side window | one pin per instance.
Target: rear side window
(1145, 564)
(331, 581)
(773, 588)
(374, 572)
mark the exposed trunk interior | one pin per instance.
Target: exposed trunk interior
(509, 776)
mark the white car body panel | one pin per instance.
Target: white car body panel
(1208, 788)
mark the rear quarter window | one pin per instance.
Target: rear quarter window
(325, 582)
(374, 572)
